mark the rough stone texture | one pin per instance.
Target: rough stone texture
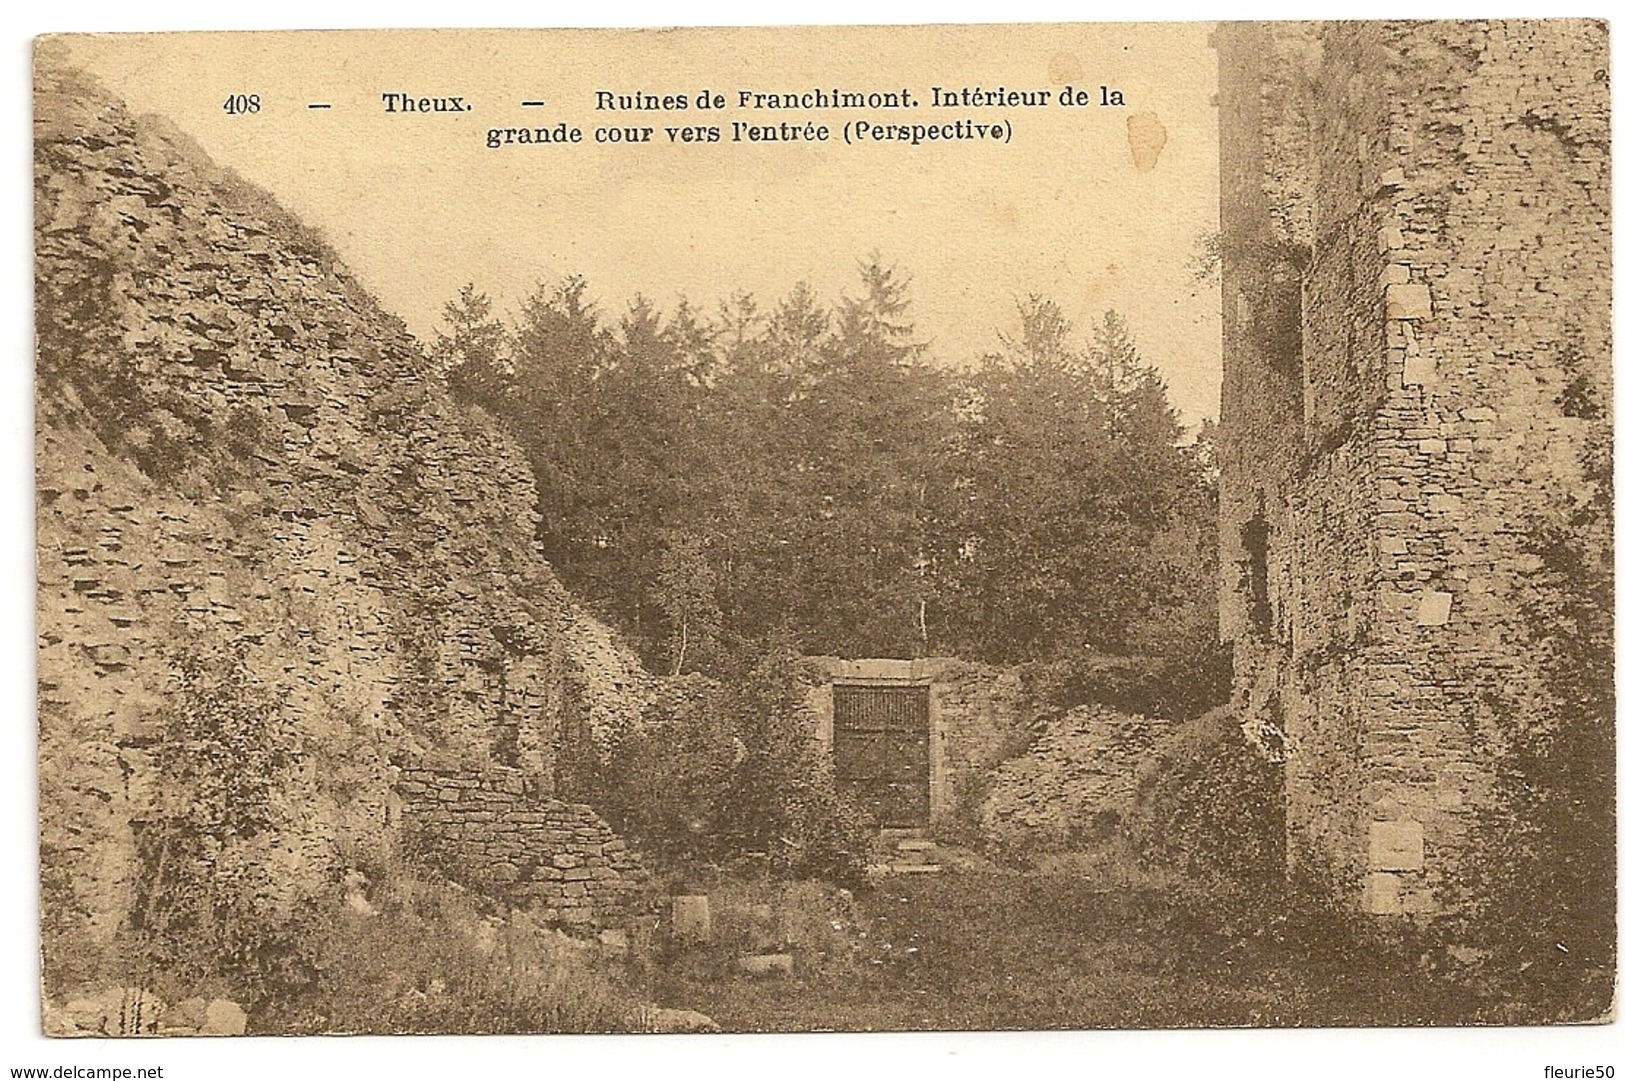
(237, 449)
(134, 1011)
(1072, 784)
(691, 917)
(483, 830)
(1436, 196)
(657, 1019)
(983, 714)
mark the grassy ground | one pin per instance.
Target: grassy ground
(1001, 949)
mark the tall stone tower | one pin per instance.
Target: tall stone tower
(1417, 389)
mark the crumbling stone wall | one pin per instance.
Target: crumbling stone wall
(485, 831)
(1073, 785)
(983, 715)
(1395, 437)
(237, 450)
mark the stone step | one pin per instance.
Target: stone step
(906, 868)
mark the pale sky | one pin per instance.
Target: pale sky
(417, 205)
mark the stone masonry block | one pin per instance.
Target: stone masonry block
(1413, 300)
(691, 917)
(1381, 893)
(1433, 610)
(1395, 846)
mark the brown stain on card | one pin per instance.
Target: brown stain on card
(1065, 68)
(1146, 138)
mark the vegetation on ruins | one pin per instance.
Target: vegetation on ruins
(800, 476)
(1548, 876)
(732, 488)
(213, 900)
(1212, 810)
(722, 769)
(324, 745)
(425, 957)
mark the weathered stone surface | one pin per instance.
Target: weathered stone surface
(1067, 790)
(1394, 444)
(691, 917)
(114, 1011)
(1409, 301)
(484, 830)
(1382, 893)
(660, 1019)
(614, 942)
(188, 1013)
(1395, 846)
(238, 450)
(223, 1018)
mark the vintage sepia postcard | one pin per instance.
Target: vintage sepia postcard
(825, 529)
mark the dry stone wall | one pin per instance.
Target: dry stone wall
(485, 831)
(1438, 194)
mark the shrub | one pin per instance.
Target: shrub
(1547, 877)
(784, 801)
(722, 771)
(667, 781)
(1212, 808)
(224, 886)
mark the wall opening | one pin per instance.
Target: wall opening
(1255, 569)
(882, 751)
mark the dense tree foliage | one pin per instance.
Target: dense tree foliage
(802, 477)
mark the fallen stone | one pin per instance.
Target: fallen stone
(767, 964)
(84, 1015)
(224, 1018)
(674, 1021)
(614, 942)
(691, 917)
(358, 903)
(117, 1011)
(54, 1021)
(188, 1013)
(1409, 301)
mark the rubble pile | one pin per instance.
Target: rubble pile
(1071, 785)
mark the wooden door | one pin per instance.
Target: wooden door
(882, 751)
